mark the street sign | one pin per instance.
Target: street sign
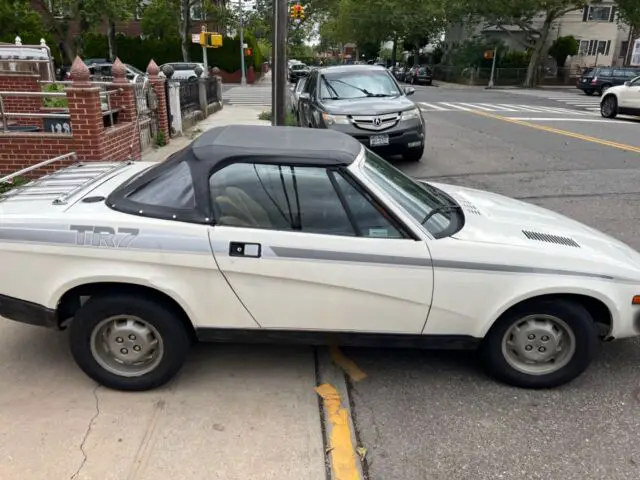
(488, 54)
(195, 38)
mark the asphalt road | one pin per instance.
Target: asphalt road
(426, 415)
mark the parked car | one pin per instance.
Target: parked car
(621, 100)
(399, 73)
(102, 71)
(287, 233)
(420, 75)
(297, 71)
(599, 80)
(185, 70)
(295, 91)
(366, 102)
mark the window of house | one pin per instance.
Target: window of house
(197, 10)
(278, 197)
(56, 8)
(599, 13)
(624, 49)
(583, 49)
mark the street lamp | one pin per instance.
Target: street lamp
(243, 78)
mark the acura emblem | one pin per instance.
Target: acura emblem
(376, 121)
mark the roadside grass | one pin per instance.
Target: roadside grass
(289, 119)
(16, 182)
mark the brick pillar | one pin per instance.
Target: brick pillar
(87, 125)
(126, 98)
(159, 86)
(21, 82)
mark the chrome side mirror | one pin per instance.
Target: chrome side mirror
(409, 91)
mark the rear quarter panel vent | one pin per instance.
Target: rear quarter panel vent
(549, 238)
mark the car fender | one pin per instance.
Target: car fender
(539, 292)
(156, 283)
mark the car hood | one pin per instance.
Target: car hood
(369, 105)
(496, 219)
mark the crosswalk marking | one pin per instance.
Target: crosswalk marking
(433, 106)
(455, 107)
(497, 107)
(573, 99)
(257, 96)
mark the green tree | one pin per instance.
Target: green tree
(159, 19)
(525, 14)
(19, 19)
(629, 13)
(563, 47)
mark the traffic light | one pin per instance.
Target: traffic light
(212, 40)
(297, 12)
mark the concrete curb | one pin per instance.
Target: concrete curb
(329, 373)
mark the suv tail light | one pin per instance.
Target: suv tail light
(594, 81)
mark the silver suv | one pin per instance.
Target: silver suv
(366, 102)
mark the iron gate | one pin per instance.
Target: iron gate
(147, 110)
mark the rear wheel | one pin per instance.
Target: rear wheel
(128, 343)
(609, 107)
(542, 344)
(589, 92)
(413, 154)
(604, 88)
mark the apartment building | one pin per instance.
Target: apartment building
(604, 41)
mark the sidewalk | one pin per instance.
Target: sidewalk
(235, 412)
(229, 115)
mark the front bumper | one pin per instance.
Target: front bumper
(402, 137)
(26, 312)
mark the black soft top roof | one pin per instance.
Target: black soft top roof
(290, 144)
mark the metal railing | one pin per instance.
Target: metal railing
(11, 176)
(4, 115)
(189, 96)
(213, 95)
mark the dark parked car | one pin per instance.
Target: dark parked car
(366, 102)
(420, 75)
(297, 71)
(598, 80)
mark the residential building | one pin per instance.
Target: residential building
(604, 41)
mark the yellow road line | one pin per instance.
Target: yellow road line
(343, 457)
(566, 133)
(348, 365)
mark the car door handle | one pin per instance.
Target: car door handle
(242, 249)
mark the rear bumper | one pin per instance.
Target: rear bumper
(26, 312)
(586, 86)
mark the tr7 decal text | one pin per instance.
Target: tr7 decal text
(98, 236)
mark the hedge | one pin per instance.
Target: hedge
(138, 52)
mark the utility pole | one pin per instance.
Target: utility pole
(493, 67)
(243, 79)
(205, 61)
(279, 97)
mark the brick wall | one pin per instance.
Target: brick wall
(19, 150)
(21, 82)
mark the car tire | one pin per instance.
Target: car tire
(589, 92)
(548, 322)
(609, 106)
(139, 325)
(413, 154)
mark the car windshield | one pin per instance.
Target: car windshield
(339, 85)
(417, 199)
(298, 66)
(135, 70)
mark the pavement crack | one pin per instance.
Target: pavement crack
(87, 433)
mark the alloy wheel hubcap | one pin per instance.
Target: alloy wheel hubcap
(126, 346)
(538, 344)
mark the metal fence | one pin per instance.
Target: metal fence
(189, 96)
(146, 107)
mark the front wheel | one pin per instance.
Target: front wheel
(542, 344)
(128, 343)
(609, 107)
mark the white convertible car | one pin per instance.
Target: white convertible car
(296, 235)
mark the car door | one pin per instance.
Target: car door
(306, 248)
(632, 96)
(304, 101)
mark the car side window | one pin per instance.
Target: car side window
(605, 72)
(311, 85)
(370, 221)
(635, 82)
(619, 73)
(278, 197)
